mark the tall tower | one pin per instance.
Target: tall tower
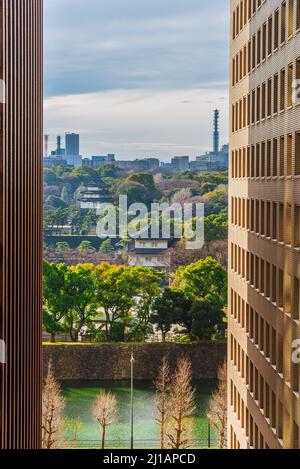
(264, 229)
(73, 149)
(58, 145)
(72, 145)
(21, 149)
(216, 132)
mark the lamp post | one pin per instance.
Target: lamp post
(131, 403)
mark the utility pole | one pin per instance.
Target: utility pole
(131, 403)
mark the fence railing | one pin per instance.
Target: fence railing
(203, 443)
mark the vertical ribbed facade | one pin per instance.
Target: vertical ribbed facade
(21, 222)
(264, 231)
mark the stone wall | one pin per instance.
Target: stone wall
(112, 361)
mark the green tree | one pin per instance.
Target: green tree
(168, 308)
(207, 318)
(56, 202)
(86, 246)
(66, 194)
(205, 279)
(80, 298)
(62, 246)
(55, 306)
(106, 247)
(216, 227)
(115, 288)
(148, 289)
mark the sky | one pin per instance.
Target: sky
(137, 78)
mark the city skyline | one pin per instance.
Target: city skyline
(89, 90)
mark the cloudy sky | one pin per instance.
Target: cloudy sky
(137, 78)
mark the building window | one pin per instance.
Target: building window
(291, 17)
(282, 89)
(290, 84)
(283, 22)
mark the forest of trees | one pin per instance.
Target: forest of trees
(122, 303)
(63, 184)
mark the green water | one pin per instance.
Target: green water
(81, 396)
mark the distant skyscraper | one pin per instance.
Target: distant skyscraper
(73, 149)
(72, 144)
(21, 147)
(181, 163)
(216, 132)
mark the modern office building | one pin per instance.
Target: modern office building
(181, 163)
(264, 232)
(21, 148)
(73, 149)
(98, 161)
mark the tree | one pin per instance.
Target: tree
(204, 319)
(149, 281)
(205, 279)
(217, 410)
(115, 288)
(62, 246)
(53, 405)
(86, 246)
(168, 308)
(54, 299)
(106, 247)
(80, 298)
(68, 298)
(66, 194)
(216, 227)
(182, 405)
(105, 412)
(56, 202)
(162, 385)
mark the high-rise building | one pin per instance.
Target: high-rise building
(264, 232)
(21, 148)
(181, 163)
(73, 149)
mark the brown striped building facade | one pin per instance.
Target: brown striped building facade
(21, 222)
(264, 231)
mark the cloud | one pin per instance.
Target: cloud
(138, 123)
(136, 77)
(96, 45)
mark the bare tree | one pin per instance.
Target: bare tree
(162, 384)
(53, 405)
(182, 405)
(74, 426)
(182, 196)
(105, 412)
(217, 411)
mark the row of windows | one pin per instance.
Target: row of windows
(277, 221)
(267, 40)
(271, 407)
(277, 286)
(267, 340)
(272, 158)
(271, 97)
(243, 13)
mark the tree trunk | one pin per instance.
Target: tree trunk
(52, 339)
(162, 432)
(103, 437)
(163, 337)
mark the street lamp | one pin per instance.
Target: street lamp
(131, 404)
